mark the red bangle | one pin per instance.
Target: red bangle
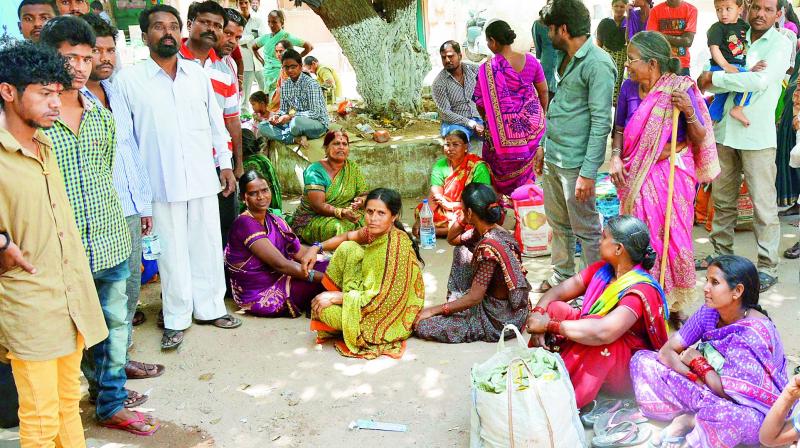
(700, 366)
(692, 376)
(446, 309)
(554, 326)
(538, 309)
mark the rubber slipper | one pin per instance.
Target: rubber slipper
(793, 252)
(624, 434)
(171, 339)
(701, 264)
(604, 406)
(543, 287)
(227, 322)
(610, 420)
(138, 318)
(766, 281)
(665, 439)
(136, 370)
(127, 425)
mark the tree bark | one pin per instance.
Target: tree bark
(389, 62)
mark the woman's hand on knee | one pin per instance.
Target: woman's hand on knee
(324, 300)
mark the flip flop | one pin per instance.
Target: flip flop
(171, 339)
(227, 322)
(600, 407)
(610, 420)
(674, 440)
(793, 252)
(766, 281)
(543, 287)
(624, 434)
(126, 425)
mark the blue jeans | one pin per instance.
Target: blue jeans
(104, 364)
(717, 107)
(297, 127)
(447, 127)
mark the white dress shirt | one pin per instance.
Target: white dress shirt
(255, 23)
(176, 124)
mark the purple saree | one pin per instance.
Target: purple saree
(257, 288)
(753, 374)
(514, 119)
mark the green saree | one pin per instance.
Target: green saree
(383, 293)
(340, 192)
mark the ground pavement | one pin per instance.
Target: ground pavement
(267, 384)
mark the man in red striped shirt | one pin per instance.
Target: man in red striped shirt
(206, 23)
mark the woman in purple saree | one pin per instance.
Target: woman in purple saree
(511, 96)
(716, 393)
(263, 258)
(640, 157)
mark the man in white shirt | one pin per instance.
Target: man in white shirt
(252, 67)
(176, 120)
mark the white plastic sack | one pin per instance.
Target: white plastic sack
(543, 415)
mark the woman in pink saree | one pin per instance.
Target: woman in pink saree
(640, 157)
(511, 96)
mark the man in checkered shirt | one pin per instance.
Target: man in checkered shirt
(303, 114)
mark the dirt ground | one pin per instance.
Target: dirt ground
(267, 384)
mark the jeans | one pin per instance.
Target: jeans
(134, 283)
(569, 218)
(717, 107)
(298, 126)
(104, 364)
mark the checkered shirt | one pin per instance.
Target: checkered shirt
(305, 97)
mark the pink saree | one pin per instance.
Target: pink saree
(644, 194)
(514, 119)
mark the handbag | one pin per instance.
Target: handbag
(532, 231)
(522, 397)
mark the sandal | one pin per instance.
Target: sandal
(136, 370)
(791, 211)
(227, 322)
(610, 420)
(767, 281)
(138, 318)
(171, 339)
(134, 400)
(543, 287)
(127, 425)
(701, 264)
(624, 434)
(793, 252)
(599, 408)
(668, 440)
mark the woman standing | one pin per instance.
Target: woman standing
(636, 17)
(511, 96)
(612, 37)
(272, 65)
(640, 153)
(718, 376)
(787, 181)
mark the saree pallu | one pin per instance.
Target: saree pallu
(484, 321)
(256, 287)
(453, 187)
(340, 192)
(514, 119)
(261, 164)
(753, 374)
(644, 194)
(383, 293)
(592, 368)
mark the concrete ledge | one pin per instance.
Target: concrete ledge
(404, 164)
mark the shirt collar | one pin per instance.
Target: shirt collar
(584, 48)
(187, 53)
(768, 36)
(153, 68)
(10, 144)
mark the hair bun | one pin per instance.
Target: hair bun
(649, 258)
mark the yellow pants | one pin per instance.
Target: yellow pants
(49, 393)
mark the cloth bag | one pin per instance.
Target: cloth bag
(532, 231)
(522, 398)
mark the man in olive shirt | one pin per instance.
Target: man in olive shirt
(578, 124)
(47, 317)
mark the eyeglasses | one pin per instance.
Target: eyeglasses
(631, 61)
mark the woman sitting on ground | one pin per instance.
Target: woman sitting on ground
(624, 310)
(263, 258)
(449, 176)
(374, 284)
(715, 393)
(334, 193)
(487, 287)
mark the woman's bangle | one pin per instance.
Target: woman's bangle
(692, 376)
(616, 152)
(446, 309)
(538, 309)
(318, 245)
(692, 119)
(554, 327)
(700, 366)
(311, 274)
(337, 212)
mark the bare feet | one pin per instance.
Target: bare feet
(737, 112)
(674, 435)
(133, 422)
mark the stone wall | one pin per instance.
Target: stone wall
(404, 165)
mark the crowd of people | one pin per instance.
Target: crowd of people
(104, 157)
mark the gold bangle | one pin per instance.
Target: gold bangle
(337, 212)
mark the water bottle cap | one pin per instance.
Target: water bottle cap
(424, 201)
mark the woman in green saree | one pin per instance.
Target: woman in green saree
(373, 281)
(334, 194)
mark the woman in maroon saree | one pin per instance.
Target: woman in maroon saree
(511, 96)
(263, 258)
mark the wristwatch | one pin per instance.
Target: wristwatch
(7, 243)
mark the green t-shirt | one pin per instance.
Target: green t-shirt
(272, 66)
(441, 171)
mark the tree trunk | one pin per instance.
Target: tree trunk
(389, 62)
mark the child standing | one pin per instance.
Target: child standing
(727, 40)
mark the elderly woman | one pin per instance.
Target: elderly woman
(374, 283)
(640, 164)
(623, 311)
(334, 193)
(719, 375)
(511, 96)
(496, 293)
(612, 36)
(272, 63)
(449, 176)
(263, 258)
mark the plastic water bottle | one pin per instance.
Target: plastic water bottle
(151, 247)
(427, 231)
